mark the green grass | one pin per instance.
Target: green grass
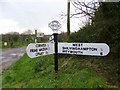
(39, 73)
(0, 82)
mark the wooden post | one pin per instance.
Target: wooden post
(35, 36)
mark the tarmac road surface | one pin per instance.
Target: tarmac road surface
(10, 56)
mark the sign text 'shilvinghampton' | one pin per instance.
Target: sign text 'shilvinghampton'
(94, 49)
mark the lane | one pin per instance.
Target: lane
(10, 56)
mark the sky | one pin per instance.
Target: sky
(21, 15)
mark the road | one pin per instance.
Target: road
(10, 56)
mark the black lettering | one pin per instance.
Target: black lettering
(64, 51)
(95, 49)
(43, 49)
(33, 50)
(92, 49)
(73, 48)
(78, 48)
(40, 45)
(78, 44)
(68, 51)
(38, 54)
(84, 48)
(74, 44)
(64, 47)
(70, 47)
(81, 44)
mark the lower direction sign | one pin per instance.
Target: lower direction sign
(94, 49)
(38, 49)
(51, 39)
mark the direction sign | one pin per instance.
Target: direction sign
(54, 25)
(94, 49)
(39, 49)
(51, 39)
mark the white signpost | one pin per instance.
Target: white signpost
(39, 49)
(94, 49)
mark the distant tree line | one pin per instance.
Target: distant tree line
(14, 39)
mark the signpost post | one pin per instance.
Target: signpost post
(56, 51)
(35, 36)
(55, 26)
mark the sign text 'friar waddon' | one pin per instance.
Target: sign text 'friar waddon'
(39, 49)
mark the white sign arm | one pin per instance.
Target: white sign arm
(94, 49)
(39, 49)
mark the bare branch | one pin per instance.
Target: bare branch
(86, 8)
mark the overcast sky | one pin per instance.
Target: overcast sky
(21, 15)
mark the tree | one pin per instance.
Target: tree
(82, 9)
(85, 9)
(13, 33)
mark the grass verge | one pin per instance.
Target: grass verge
(39, 73)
